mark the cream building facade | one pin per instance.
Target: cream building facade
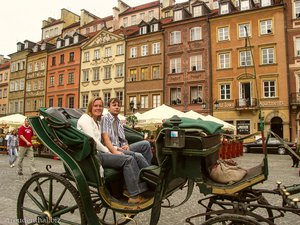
(102, 68)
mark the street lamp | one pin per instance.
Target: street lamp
(216, 104)
(203, 105)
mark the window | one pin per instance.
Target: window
(267, 55)
(195, 33)
(266, 27)
(144, 50)
(297, 9)
(62, 59)
(107, 72)
(71, 101)
(196, 63)
(223, 33)
(125, 21)
(154, 27)
(133, 52)
(51, 102)
(53, 61)
(155, 101)
(144, 74)
(106, 98)
(224, 8)
(175, 96)
(108, 52)
(297, 44)
(269, 89)
(151, 15)
(95, 94)
(156, 48)
(132, 76)
(59, 102)
(35, 85)
(85, 100)
(119, 49)
(225, 92)
(71, 57)
(51, 81)
(245, 58)
(197, 11)
(132, 99)
(85, 77)
(265, 3)
(60, 79)
(133, 20)
(119, 95)
(71, 78)
(36, 66)
(41, 84)
(142, 16)
(143, 30)
(244, 5)
(97, 54)
(175, 37)
(5, 93)
(30, 68)
(177, 15)
(96, 72)
(42, 65)
(119, 70)
(242, 30)
(144, 102)
(196, 94)
(175, 65)
(86, 56)
(155, 72)
(224, 60)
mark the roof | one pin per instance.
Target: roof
(141, 7)
(72, 25)
(127, 31)
(4, 65)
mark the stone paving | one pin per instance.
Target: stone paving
(279, 166)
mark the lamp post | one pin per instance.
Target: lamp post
(216, 104)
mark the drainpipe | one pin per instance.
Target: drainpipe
(287, 71)
(210, 105)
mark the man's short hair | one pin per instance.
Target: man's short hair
(112, 100)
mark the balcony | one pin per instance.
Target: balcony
(295, 98)
(246, 103)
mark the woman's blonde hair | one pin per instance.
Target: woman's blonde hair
(90, 105)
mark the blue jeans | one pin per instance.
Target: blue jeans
(144, 148)
(13, 154)
(130, 163)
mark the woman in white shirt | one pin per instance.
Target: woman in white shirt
(89, 123)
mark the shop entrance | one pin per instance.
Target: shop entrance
(276, 126)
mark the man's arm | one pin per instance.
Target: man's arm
(25, 140)
(107, 142)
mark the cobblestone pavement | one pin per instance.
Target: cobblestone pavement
(279, 166)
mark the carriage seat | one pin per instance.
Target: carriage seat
(71, 116)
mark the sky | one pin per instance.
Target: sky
(21, 20)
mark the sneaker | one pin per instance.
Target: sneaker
(20, 173)
(13, 165)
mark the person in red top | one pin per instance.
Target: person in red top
(25, 134)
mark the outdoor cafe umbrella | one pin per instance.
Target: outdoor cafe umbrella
(13, 120)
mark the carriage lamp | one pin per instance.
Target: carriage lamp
(203, 105)
(175, 137)
(216, 104)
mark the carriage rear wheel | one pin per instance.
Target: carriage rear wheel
(231, 219)
(48, 198)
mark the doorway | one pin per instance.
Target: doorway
(245, 94)
(277, 126)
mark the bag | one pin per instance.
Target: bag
(227, 171)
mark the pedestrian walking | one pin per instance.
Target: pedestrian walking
(25, 134)
(12, 148)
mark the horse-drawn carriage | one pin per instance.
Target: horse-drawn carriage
(86, 193)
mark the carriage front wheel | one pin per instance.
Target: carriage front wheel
(48, 198)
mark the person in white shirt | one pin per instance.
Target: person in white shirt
(89, 123)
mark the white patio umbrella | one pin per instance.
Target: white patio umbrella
(13, 120)
(158, 114)
(194, 115)
(226, 126)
